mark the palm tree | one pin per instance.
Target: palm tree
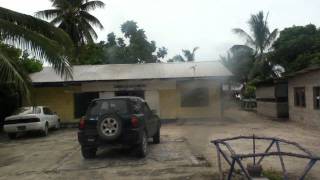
(72, 16)
(43, 40)
(261, 38)
(260, 41)
(189, 56)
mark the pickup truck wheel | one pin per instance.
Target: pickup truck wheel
(156, 137)
(88, 152)
(45, 131)
(12, 135)
(109, 127)
(142, 148)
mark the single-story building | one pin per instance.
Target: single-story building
(272, 98)
(174, 90)
(304, 96)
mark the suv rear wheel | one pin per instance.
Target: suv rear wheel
(109, 127)
(142, 148)
(88, 152)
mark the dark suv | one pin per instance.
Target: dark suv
(118, 121)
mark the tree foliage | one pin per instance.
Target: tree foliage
(260, 40)
(22, 59)
(188, 56)
(132, 48)
(297, 48)
(261, 37)
(74, 18)
(239, 61)
(39, 37)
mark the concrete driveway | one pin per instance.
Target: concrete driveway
(58, 157)
(184, 151)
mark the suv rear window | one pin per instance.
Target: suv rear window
(100, 107)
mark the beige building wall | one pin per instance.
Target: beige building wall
(213, 110)
(268, 109)
(59, 99)
(265, 92)
(168, 104)
(306, 115)
(162, 95)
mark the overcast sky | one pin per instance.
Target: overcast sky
(184, 24)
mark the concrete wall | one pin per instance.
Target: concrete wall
(273, 109)
(212, 110)
(265, 92)
(59, 99)
(168, 104)
(306, 115)
(267, 109)
(272, 100)
(162, 95)
(152, 89)
(152, 98)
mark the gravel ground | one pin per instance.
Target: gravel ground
(184, 151)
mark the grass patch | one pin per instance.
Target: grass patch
(272, 174)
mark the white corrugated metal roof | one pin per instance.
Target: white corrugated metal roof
(111, 72)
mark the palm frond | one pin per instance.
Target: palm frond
(61, 4)
(36, 25)
(11, 73)
(259, 27)
(242, 33)
(177, 58)
(91, 19)
(48, 14)
(272, 36)
(41, 46)
(86, 27)
(57, 21)
(194, 50)
(92, 5)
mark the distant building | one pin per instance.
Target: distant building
(174, 90)
(304, 96)
(297, 95)
(272, 98)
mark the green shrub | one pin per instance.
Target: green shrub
(249, 92)
(272, 174)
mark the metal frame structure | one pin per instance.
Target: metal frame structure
(257, 158)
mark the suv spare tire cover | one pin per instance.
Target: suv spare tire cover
(109, 126)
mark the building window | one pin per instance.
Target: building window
(316, 97)
(198, 97)
(299, 97)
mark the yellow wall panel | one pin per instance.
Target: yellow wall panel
(168, 104)
(59, 99)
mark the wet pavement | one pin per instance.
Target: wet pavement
(58, 157)
(185, 151)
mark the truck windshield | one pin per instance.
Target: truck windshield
(101, 107)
